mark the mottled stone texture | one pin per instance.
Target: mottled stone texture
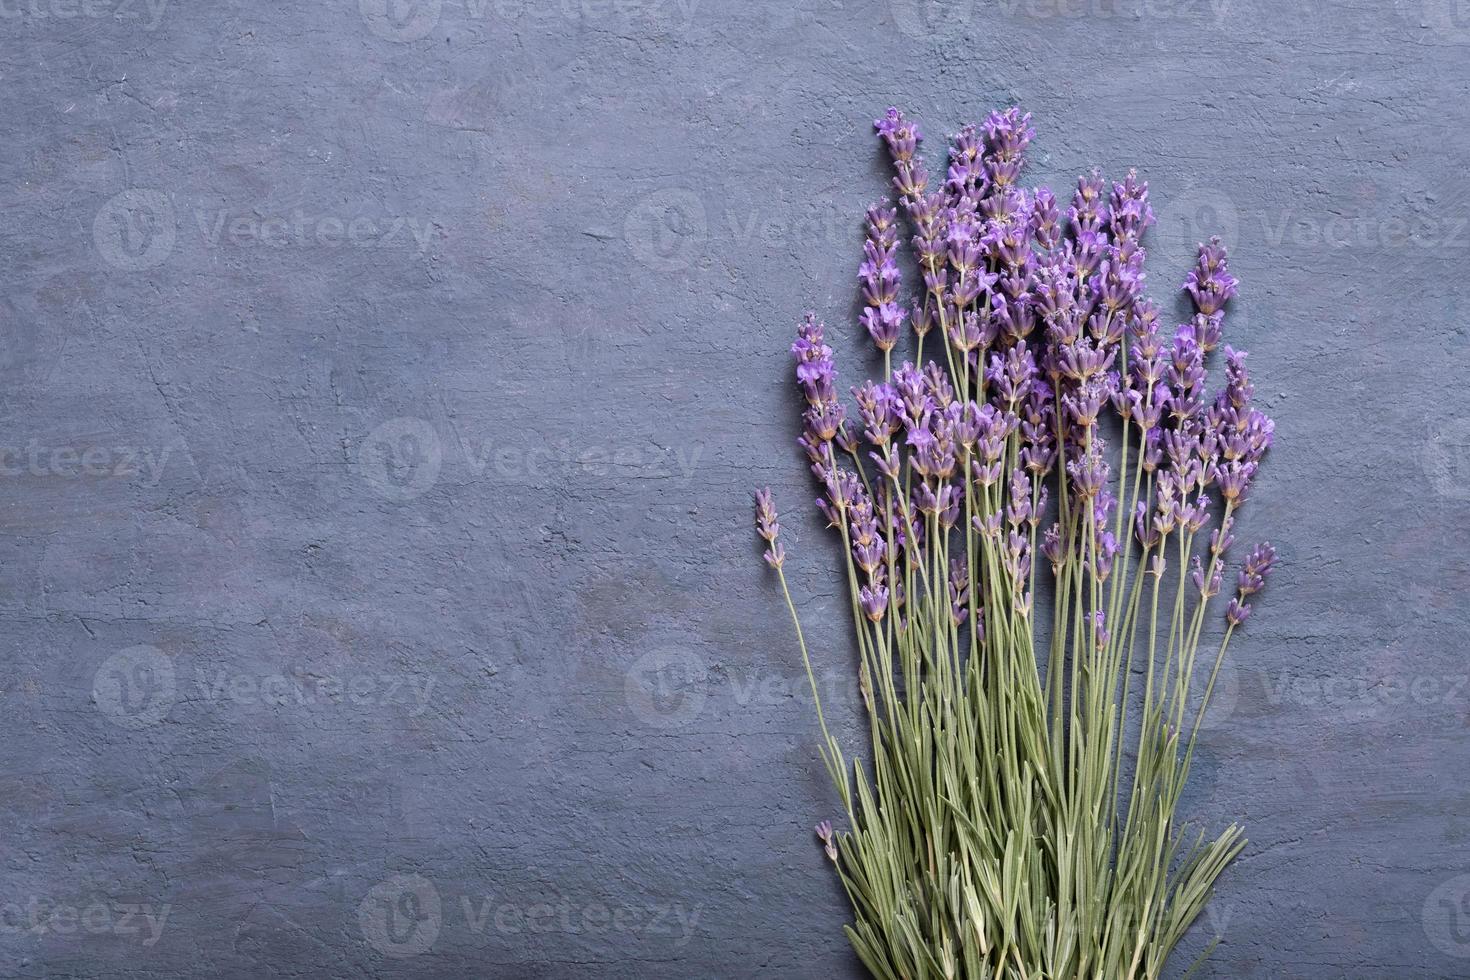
(382, 386)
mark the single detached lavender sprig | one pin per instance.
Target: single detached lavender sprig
(769, 528)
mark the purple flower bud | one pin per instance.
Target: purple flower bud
(1012, 374)
(874, 600)
(887, 462)
(1107, 550)
(1088, 212)
(1195, 516)
(868, 546)
(1210, 283)
(959, 591)
(1221, 539)
(938, 385)
(909, 383)
(1153, 451)
(1208, 583)
(1207, 329)
(1257, 568)
(1237, 612)
(1051, 546)
(988, 526)
(765, 515)
(828, 839)
(1131, 213)
(922, 317)
(1234, 479)
(1006, 136)
(1089, 474)
(950, 499)
(902, 136)
(1018, 510)
(1145, 529)
(1082, 359)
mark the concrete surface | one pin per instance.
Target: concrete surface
(381, 384)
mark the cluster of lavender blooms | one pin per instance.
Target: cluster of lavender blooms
(1043, 323)
(1056, 425)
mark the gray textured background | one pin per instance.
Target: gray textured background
(380, 390)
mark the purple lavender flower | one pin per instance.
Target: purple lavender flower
(880, 409)
(1237, 612)
(959, 591)
(868, 546)
(882, 317)
(1130, 212)
(768, 527)
(1007, 135)
(1210, 282)
(1052, 547)
(1089, 473)
(902, 137)
(1145, 528)
(1088, 211)
(874, 600)
(1257, 568)
(1046, 227)
(1253, 574)
(1207, 582)
(828, 839)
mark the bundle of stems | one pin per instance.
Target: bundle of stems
(1017, 813)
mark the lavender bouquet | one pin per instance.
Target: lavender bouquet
(1031, 732)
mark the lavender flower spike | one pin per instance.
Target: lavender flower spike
(882, 317)
(1210, 283)
(1253, 575)
(768, 527)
